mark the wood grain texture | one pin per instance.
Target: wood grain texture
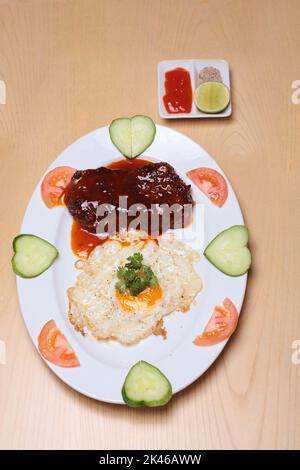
(71, 66)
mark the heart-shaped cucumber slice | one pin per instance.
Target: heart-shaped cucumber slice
(132, 136)
(33, 255)
(146, 385)
(228, 251)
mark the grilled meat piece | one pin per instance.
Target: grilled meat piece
(149, 188)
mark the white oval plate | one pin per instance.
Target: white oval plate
(104, 364)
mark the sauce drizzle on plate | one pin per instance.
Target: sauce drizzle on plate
(83, 242)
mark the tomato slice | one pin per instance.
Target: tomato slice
(54, 347)
(211, 183)
(54, 184)
(221, 325)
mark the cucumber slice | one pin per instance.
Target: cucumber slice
(143, 131)
(33, 255)
(132, 136)
(120, 134)
(228, 251)
(146, 385)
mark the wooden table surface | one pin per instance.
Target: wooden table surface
(71, 66)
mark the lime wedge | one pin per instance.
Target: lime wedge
(212, 97)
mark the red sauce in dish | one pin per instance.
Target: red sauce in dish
(179, 96)
(83, 242)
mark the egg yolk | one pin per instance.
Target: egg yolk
(140, 302)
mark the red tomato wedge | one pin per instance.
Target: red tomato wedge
(211, 183)
(221, 325)
(54, 184)
(54, 347)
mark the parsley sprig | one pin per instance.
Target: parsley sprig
(135, 276)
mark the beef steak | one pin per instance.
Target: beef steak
(148, 188)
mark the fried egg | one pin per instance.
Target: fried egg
(98, 308)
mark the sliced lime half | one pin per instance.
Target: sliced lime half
(212, 97)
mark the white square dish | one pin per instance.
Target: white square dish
(193, 66)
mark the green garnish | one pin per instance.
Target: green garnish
(135, 276)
